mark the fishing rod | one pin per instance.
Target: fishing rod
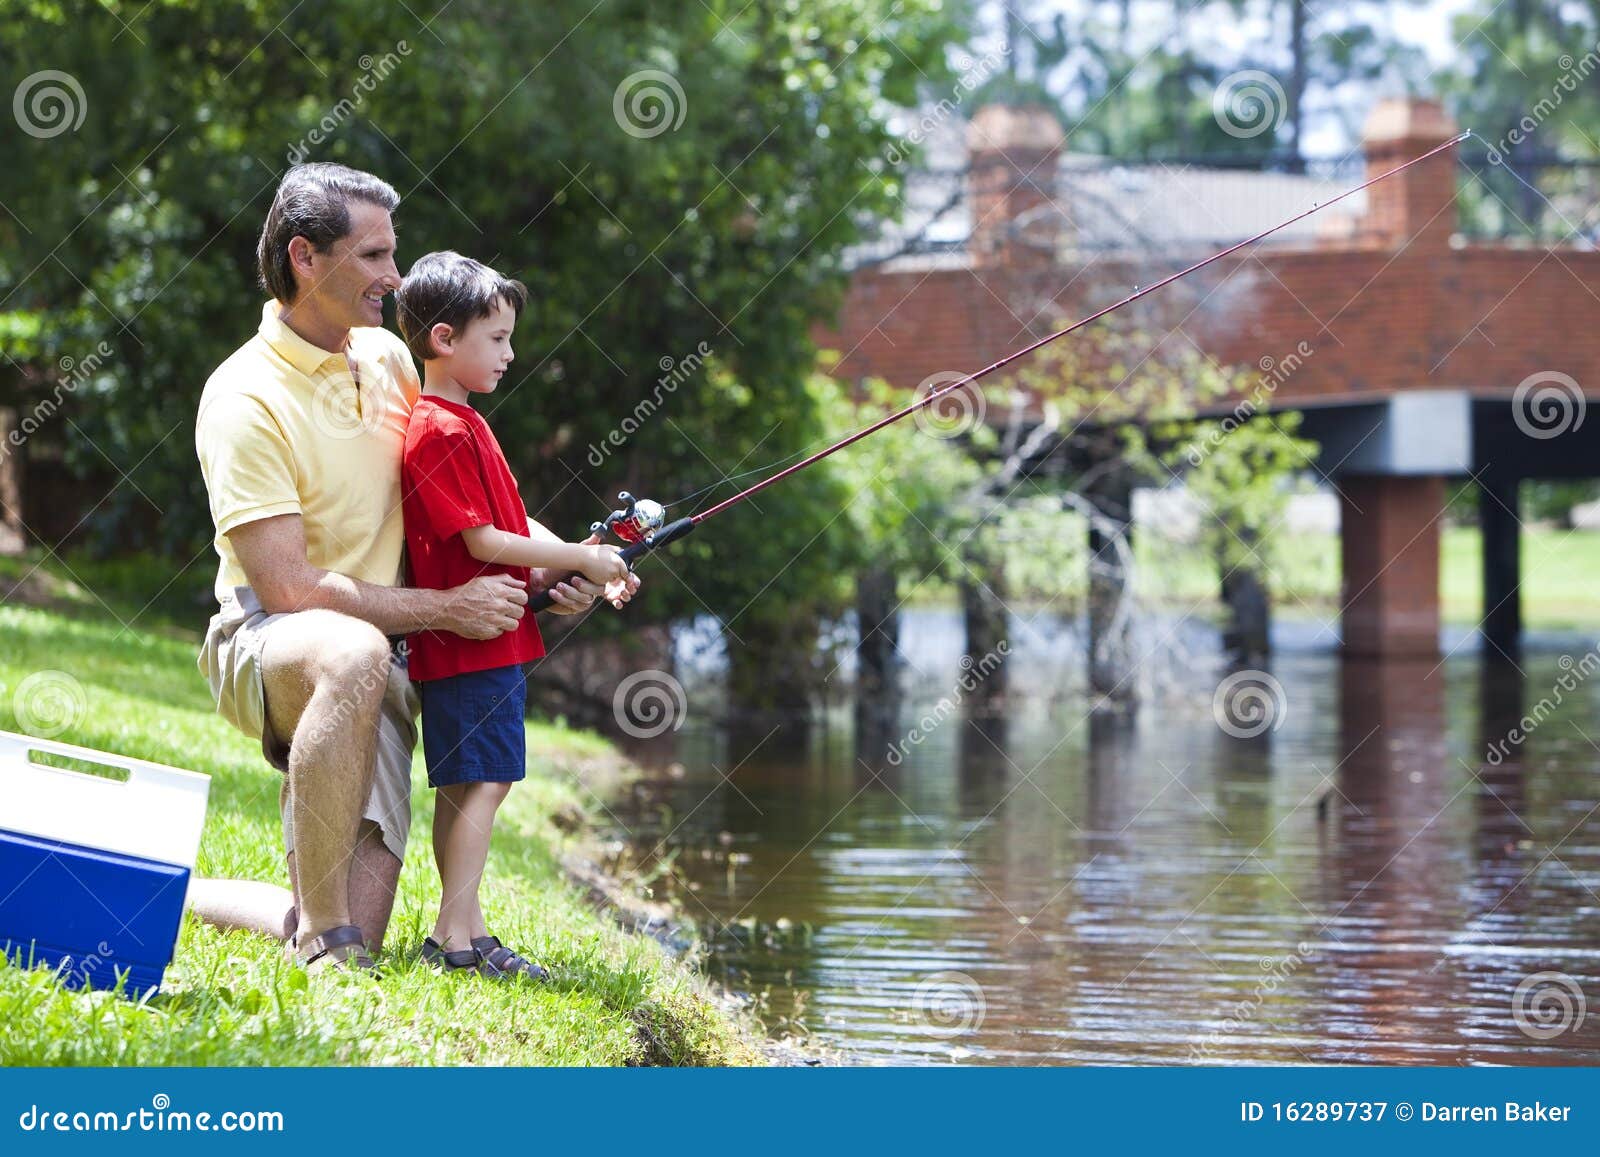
(642, 524)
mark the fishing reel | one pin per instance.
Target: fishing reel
(636, 522)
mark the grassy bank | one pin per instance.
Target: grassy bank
(1558, 569)
(230, 998)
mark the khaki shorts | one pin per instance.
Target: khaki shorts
(231, 662)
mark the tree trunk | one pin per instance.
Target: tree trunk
(1111, 674)
(878, 630)
(988, 640)
(1247, 631)
(12, 538)
(1297, 85)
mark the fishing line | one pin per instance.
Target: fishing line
(642, 524)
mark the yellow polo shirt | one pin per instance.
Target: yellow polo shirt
(285, 428)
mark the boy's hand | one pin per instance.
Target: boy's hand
(605, 564)
(575, 595)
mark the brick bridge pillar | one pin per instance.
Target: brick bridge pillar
(1389, 539)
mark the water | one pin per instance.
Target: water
(1359, 883)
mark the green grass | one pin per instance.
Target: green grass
(1560, 568)
(1559, 575)
(232, 999)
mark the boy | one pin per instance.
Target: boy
(463, 517)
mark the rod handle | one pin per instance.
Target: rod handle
(668, 533)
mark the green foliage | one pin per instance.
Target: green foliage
(1525, 82)
(1243, 486)
(1238, 466)
(906, 483)
(1140, 77)
(496, 123)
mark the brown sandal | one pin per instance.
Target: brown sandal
(434, 953)
(501, 963)
(342, 936)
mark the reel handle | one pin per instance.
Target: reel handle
(668, 533)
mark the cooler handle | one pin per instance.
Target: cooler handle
(139, 771)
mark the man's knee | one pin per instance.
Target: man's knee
(322, 651)
(353, 660)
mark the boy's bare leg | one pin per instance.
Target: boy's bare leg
(463, 821)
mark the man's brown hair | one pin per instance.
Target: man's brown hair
(313, 201)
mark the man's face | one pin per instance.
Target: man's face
(348, 281)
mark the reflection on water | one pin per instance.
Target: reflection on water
(1358, 883)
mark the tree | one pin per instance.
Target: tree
(675, 182)
(1214, 78)
(1526, 84)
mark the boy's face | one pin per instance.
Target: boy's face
(480, 355)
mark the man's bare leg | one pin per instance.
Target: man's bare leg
(250, 905)
(247, 904)
(324, 674)
(373, 880)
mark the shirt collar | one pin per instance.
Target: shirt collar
(293, 348)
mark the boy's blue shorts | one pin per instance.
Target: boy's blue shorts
(472, 727)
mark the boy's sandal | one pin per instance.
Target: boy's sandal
(502, 963)
(433, 953)
(342, 936)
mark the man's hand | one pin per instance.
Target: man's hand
(486, 607)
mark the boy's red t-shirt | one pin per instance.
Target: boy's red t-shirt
(455, 476)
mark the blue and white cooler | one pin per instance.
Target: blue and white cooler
(94, 864)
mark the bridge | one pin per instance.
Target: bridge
(1419, 354)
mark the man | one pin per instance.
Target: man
(300, 435)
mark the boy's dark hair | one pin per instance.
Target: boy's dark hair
(313, 201)
(447, 288)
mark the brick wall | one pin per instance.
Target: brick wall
(1393, 308)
